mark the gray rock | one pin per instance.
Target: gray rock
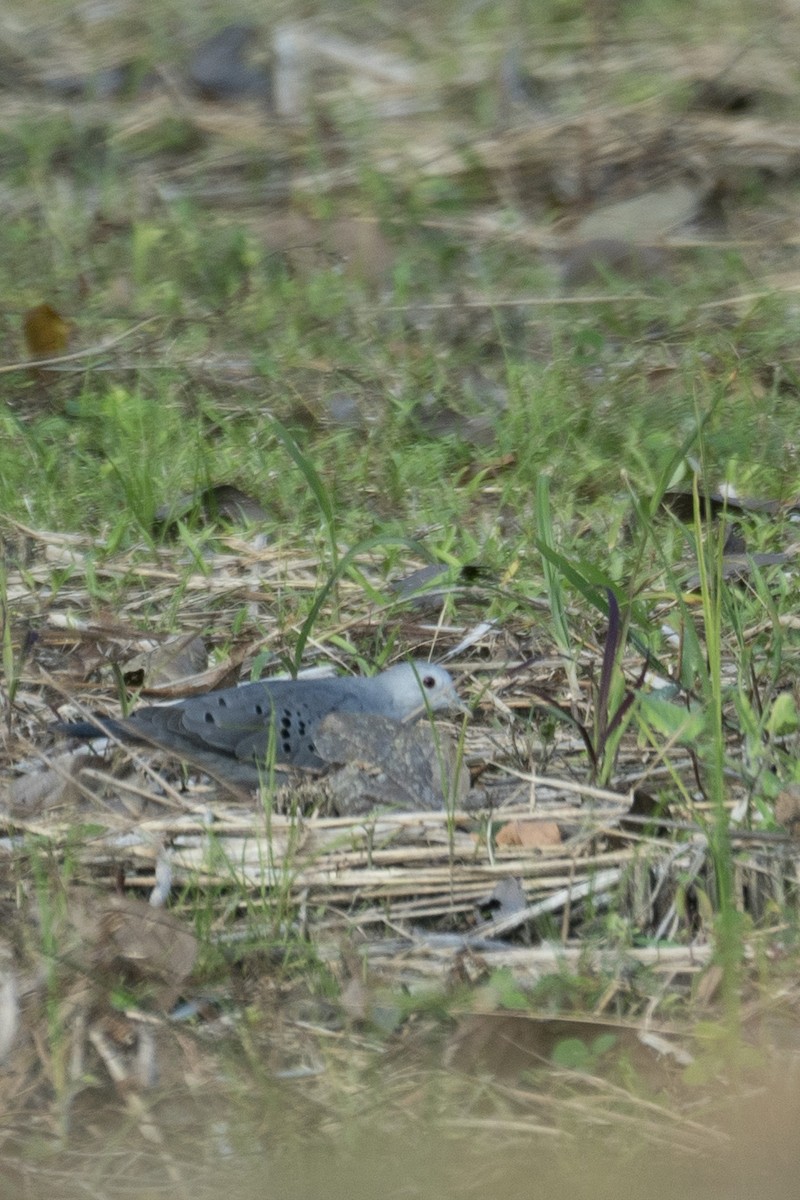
(220, 69)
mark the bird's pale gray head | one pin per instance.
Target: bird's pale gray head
(414, 687)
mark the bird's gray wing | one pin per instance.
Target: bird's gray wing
(247, 722)
(297, 708)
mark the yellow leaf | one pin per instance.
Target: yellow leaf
(46, 332)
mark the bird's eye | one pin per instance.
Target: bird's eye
(428, 682)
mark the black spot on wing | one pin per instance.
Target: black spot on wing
(285, 731)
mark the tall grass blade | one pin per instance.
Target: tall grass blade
(312, 478)
(343, 565)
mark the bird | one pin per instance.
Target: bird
(237, 733)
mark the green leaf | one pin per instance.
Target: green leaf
(673, 721)
(507, 991)
(573, 1054)
(783, 717)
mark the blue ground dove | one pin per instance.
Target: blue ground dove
(231, 733)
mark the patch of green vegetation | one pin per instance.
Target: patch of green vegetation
(593, 404)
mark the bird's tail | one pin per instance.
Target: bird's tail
(86, 730)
